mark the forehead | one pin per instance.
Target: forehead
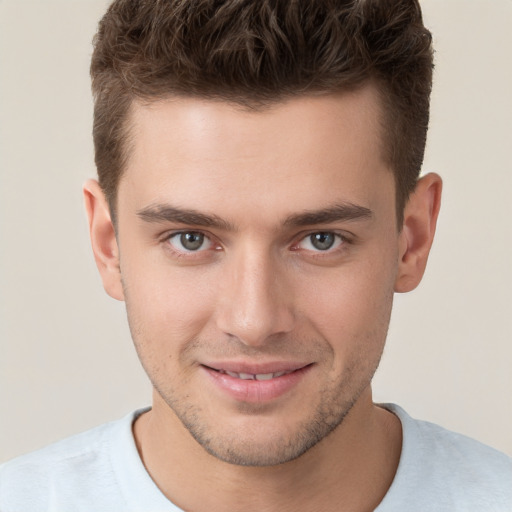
(187, 150)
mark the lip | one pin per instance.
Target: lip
(256, 391)
(256, 368)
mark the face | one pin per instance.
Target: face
(258, 256)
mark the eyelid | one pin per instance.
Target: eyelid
(342, 236)
(166, 238)
(346, 238)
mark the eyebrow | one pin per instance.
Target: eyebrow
(338, 212)
(166, 213)
(335, 213)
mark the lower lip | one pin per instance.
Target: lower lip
(256, 391)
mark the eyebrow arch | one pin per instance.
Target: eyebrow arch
(166, 213)
(338, 212)
(335, 213)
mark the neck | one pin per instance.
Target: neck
(352, 468)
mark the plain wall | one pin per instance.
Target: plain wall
(66, 358)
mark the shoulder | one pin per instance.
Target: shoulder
(63, 468)
(435, 444)
(449, 471)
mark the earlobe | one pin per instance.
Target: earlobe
(419, 226)
(103, 239)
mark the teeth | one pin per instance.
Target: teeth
(264, 376)
(252, 376)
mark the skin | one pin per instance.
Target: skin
(258, 292)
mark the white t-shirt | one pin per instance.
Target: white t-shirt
(101, 471)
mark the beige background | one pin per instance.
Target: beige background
(66, 360)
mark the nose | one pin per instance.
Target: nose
(255, 302)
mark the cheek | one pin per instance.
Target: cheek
(351, 307)
(167, 306)
(166, 316)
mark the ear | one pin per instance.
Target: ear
(417, 235)
(103, 239)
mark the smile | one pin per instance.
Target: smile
(255, 376)
(256, 385)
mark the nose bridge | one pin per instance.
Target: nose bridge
(254, 307)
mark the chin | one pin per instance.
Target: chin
(260, 441)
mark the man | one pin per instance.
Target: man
(258, 206)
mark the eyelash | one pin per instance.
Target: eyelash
(190, 253)
(339, 241)
(342, 239)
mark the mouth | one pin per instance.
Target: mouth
(253, 376)
(256, 383)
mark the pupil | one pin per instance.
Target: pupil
(191, 241)
(322, 241)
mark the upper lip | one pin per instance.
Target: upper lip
(256, 368)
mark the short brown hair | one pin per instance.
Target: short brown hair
(257, 52)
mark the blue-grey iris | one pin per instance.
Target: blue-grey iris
(322, 241)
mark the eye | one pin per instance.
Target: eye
(321, 241)
(190, 241)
